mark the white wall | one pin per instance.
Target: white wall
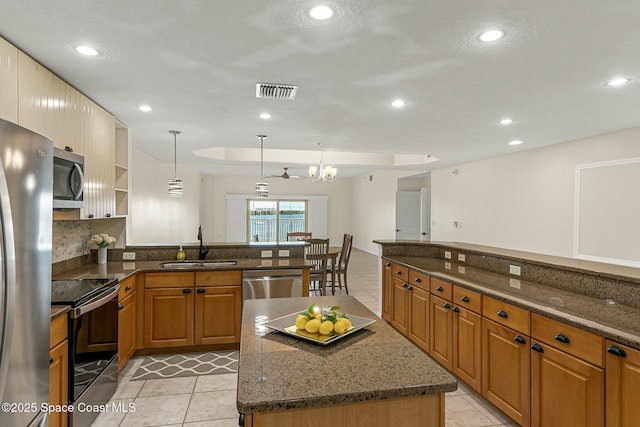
(156, 217)
(523, 201)
(215, 189)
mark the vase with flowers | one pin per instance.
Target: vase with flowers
(102, 241)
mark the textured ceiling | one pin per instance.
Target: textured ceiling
(196, 62)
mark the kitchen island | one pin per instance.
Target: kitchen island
(375, 377)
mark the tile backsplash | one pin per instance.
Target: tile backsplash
(70, 239)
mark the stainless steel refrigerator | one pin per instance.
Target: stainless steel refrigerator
(26, 172)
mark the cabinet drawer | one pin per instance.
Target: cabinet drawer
(419, 279)
(127, 287)
(468, 299)
(58, 330)
(441, 288)
(400, 272)
(168, 280)
(219, 278)
(506, 314)
(576, 342)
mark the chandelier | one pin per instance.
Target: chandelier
(262, 187)
(322, 172)
(176, 186)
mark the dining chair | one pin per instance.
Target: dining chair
(340, 269)
(316, 251)
(298, 235)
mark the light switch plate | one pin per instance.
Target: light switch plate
(514, 269)
(267, 254)
(447, 255)
(514, 283)
(128, 256)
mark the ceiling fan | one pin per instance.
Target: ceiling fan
(285, 175)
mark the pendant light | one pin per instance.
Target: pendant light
(262, 187)
(176, 186)
(322, 172)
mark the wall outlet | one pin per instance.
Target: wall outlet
(461, 257)
(128, 256)
(283, 253)
(267, 254)
(514, 269)
(447, 265)
(447, 255)
(461, 269)
(514, 283)
(128, 265)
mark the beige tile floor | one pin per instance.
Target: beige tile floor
(210, 400)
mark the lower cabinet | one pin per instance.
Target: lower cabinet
(467, 345)
(205, 310)
(127, 320)
(565, 390)
(418, 330)
(622, 384)
(58, 370)
(399, 305)
(441, 331)
(386, 290)
(506, 360)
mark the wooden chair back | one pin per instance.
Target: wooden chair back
(298, 235)
(345, 253)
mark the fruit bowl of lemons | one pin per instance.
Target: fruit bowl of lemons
(320, 324)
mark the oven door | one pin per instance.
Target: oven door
(94, 354)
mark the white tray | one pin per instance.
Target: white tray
(286, 325)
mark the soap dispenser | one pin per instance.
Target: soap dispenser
(180, 256)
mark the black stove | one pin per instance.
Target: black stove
(78, 291)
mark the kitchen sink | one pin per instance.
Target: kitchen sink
(196, 264)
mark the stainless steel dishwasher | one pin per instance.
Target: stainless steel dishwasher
(260, 284)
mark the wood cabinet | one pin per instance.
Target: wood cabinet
(467, 337)
(441, 331)
(127, 319)
(186, 308)
(622, 384)
(399, 305)
(506, 364)
(8, 81)
(418, 330)
(58, 370)
(387, 290)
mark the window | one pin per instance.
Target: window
(271, 220)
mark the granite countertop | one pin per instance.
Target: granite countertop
(605, 317)
(59, 310)
(121, 270)
(278, 372)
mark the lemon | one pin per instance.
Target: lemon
(312, 326)
(340, 326)
(347, 321)
(318, 316)
(326, 327)
(301, 321)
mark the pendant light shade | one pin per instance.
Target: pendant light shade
(176, 186)
(262, 187)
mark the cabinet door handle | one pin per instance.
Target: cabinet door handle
(186, 291)
(410, 288)
(502, 314)
(537, 347)
(519, 339)
(201, 291)
(127, 288)
(50, 360)
(446, 305)
(404, 285)
(388, 264)
(562, 338)
(120, 306)
(418, 280)
(399, 273)
(439, 289)
(616, 351)
(456, 310)
(464, 299)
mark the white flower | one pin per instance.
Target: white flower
(102, 240)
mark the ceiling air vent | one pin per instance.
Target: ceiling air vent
(276, 91)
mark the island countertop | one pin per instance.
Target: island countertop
(279, 372)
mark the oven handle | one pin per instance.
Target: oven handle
(98, 301)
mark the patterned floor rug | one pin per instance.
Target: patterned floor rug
(187, 365)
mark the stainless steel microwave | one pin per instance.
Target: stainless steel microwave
(68, 179)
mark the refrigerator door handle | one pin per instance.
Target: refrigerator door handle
(7, 280)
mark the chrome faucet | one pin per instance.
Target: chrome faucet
(202, 253)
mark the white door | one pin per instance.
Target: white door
(425, 214)
(408, 206)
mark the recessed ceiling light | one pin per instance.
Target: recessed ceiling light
(321, 12)
(506, 121)
(491, 35)
(145, 108)
(264, 116)
(87, 50)
(398, 103)
(515, 142)
(618, 81)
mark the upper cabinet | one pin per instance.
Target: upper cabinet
(8, 81)
(35, 95)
